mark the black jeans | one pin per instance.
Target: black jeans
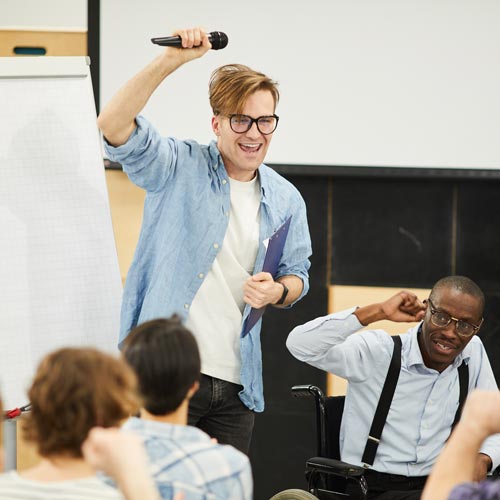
(217, 409)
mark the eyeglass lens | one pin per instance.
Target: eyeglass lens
(242, 123)
(444, 319)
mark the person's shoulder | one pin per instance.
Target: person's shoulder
(377, 342)
(273, 178)
(145, 127)
(97, 487)
(476, 342)
(376, 336)
(474, 347)
(88, 487)
(234, 461)
(232, 453)
(8, 477)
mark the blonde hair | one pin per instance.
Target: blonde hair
(231, 85)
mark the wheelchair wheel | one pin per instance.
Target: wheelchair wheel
(294, 494)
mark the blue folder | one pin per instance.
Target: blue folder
(271, 262)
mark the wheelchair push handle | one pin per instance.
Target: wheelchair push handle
(306, 391)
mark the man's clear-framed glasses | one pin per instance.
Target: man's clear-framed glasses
(442, 319)
(243, 123)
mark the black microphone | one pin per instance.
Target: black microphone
(217, 39)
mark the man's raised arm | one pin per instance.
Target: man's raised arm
(117, 119)
(404, 307)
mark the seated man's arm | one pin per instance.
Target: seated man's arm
(322, 342)
(402, 307)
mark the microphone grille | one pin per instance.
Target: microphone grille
(218, 40)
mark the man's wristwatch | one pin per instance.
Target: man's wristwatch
(285, 293)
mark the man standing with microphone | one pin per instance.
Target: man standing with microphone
(208, 211)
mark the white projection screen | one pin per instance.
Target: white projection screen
(392, 83)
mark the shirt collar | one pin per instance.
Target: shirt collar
(165, 430)
(218, 166)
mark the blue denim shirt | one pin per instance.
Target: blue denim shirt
(184, 224)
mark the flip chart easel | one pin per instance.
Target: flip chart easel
(59, 276)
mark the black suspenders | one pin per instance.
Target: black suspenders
(463, 378)
(384, 403)
(387, 394)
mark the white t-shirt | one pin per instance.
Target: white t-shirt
(216, 312)
(15, 487)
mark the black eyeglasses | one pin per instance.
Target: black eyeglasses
(443, 319)
(243, 123)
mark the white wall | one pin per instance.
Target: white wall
(44, 13)
(363, 82)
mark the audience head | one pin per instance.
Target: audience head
(165, 357)
(73, 390)
(454, 315)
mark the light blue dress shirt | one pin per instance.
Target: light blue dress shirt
(425, 401)
(184, 458)
(184, 224)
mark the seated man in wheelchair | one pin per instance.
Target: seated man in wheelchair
(425, 383)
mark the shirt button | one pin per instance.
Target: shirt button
(186, 306)
(227, 214)
(201, 275)
(224, 181)
(216, 245)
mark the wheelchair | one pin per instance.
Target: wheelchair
(328, 478)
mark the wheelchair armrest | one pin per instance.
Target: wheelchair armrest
(335, 467)
(317, 467)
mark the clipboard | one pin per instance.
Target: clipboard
(274, 251)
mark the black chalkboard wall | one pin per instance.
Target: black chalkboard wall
(395, 228)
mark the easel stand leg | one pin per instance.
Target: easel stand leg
(10, 443)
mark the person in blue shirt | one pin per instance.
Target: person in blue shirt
(452, 478)
(209, 211)
(165, 358)
(426, 397)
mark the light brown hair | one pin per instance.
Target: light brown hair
(232, 84)
(75, 389)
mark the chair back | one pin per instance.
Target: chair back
(334, 407)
